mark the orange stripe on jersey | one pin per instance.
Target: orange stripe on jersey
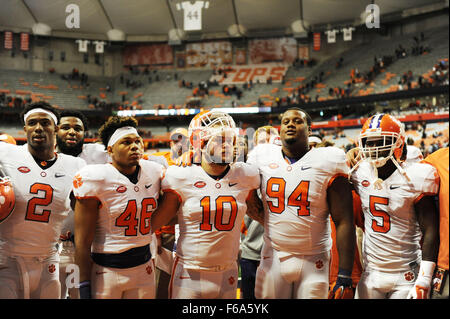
(334, 177)
(168, 190)
(175, 263)
(422, 196)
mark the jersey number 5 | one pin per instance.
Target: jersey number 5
(385, 225)
(39, 201)
(128, 217)
(299, 197)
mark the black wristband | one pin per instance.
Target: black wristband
(85, 290)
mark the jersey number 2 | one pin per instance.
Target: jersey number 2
(39, 201)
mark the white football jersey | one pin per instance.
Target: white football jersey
(124, 214)
(295, 197)
(42, 201)
(94, 153)
(211, 212)
(391, 231)
(413, 154)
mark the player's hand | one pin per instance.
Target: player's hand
(185, 159)
(422, 286)
(158, 244)
(353, 156)
(419, 292)
(342, 288)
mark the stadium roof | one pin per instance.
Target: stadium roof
(153, 20)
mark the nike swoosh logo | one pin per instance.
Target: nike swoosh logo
(184, 277)
(59, 175)
(148, 186)
(394, 187)
(100, 272)
(265, 257)
(231, 185)
(305, 168)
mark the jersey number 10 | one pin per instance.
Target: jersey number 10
(205, 203)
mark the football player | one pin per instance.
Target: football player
(73, 126)
(42, 182)
(211, 200)
(398, 211)
(112, 217)
(300, 188)
(179, 143)
(439, 160)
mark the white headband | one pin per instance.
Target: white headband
(39, 110)
(121, 132)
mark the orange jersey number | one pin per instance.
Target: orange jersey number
(385, 226)
(205, 203)
(129, 220)
(299, 197)
(39, 201)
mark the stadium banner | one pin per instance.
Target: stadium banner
(152, 54)
(303, 52)
(316, 41)
(24, 41)
(8, 40)
(272, 50)
(208, 54)
(239, 74)
(241, 56)
(402, 118)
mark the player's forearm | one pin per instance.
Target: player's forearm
(430, 245)
(345, 242)
(255, 210)
(84, 262)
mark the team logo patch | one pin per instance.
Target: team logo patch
(231, 280)
(149, 269)
(200, 184)
(218, 185)
(273, 165)
(23, 169)
(409, 276)
(77, 181)
(319, 264)
(51, 268)
(365, 183)
(121, 189)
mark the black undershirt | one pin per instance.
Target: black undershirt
(221, 175)
(45, 164)
(133, 177)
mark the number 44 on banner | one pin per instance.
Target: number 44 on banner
(192, 14)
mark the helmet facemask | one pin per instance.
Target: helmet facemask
(208, 131)
(378, 147)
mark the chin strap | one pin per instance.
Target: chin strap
(378, 181)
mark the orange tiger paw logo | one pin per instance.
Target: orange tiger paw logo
(51, 268)
(77, 181)
(409, 276)
(319, 264)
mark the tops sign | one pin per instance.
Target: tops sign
(239, 74)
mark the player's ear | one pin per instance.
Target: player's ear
(109, 150)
